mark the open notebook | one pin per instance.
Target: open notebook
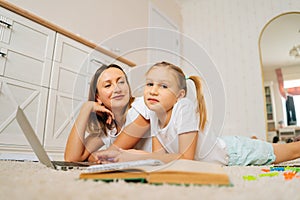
(39, 149)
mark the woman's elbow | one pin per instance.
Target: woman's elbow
(69, 158)
(74, 158)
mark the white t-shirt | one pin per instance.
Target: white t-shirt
(184, 119)
(143, 144)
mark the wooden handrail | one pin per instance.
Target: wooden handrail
(62, 31)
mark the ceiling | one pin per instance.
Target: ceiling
(278, 37)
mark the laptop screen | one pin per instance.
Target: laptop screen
(32, 138)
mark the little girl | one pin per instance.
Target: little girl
(177, 127)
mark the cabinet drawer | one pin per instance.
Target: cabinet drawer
(28, 49)
(62, 111)
(74, 65)
(32, 99)
(70, 65)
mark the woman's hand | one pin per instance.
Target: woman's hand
(118, 155)
(79, 146)
(99, 109)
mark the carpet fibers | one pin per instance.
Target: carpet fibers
(32, 180)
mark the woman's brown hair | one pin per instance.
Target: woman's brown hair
(97, 122)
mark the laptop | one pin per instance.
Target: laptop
(39, 149)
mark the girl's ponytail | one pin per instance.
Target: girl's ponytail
(201, 101)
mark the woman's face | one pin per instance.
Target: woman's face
(113, 89)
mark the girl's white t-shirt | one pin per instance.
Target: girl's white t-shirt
(184, 119)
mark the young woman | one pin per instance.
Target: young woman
(103, 116)
(177, 128)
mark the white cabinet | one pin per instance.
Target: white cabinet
(28, 49)
(45, 73)
(25, 65)
(71, 73)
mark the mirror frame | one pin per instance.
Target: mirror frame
(261, 60)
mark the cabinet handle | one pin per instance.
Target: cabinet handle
(3, 52)
(97, 61)
(8, 25)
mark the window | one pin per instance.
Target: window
(291, 83)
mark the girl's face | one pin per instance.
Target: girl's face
(161, 91)
(113, 89)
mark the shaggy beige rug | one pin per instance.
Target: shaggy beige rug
(32, 180)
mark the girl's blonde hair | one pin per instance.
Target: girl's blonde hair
(182, 85)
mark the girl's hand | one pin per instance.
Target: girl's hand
(106, 156)
(119, 155)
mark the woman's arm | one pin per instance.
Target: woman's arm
(79, 148)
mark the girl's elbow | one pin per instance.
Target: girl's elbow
(186, 157)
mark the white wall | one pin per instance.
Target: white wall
(229, 30)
